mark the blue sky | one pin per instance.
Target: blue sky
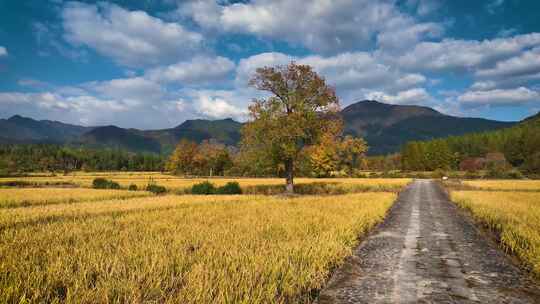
(153, 64)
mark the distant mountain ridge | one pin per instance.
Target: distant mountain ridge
(385, 127)
(115, 137)
(23, 129)
(534, 117)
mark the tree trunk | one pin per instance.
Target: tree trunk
(289, 176)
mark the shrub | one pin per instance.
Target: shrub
(133, 187)
(205, 187)
(156, 189)
(230, 188)
(102, 183)
(514, 174)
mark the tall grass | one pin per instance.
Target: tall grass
(511, 185)
(181, 249)
(23, 197)
(514, 216)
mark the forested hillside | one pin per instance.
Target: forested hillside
(518, 146)
(53, 158)
(387, 127)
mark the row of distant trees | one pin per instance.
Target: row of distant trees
(17, 159)
(515, 147)
(341, 156)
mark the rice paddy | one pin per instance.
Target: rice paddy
(507, 185)
(513, 216)
(180, 184)
(23, 197)
(181, 249)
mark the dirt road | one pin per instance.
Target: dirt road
(428, 252)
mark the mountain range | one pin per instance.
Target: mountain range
(385, 127)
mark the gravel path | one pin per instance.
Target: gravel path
(428, 252)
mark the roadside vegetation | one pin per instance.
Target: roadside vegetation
(508, 185)
(182, 249)
(513, 216)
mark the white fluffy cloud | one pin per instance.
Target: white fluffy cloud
(220, 103)
(526, 63)
(320, 25)
(198, 71)
(56, 102)
(132, 38)
(494, 5)
(412, 96)
(247, 66)
(361, 70)
(424, 7)
(483, 85)
(499, 97)
(464, 55)
(3, 51)
(134, 90)
(353, 74)
(403, 37)
(78, 106)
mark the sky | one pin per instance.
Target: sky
(152, 64)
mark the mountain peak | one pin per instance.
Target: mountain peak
(386, 126)
(17, 117)
(198, 123)
(371, 112)
(533, 117)
(372, 105)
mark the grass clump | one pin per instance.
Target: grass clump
(156, 189)
(103, 183)
(204, 188)
(153, 187)
(207, 188)
(182, 249)
(229, 188)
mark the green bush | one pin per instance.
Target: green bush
(102, 183)
(133, 187)
(205, 187)
(156, 189)
(514, 174)
(230, 188)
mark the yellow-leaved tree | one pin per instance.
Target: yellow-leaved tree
(300, 109)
